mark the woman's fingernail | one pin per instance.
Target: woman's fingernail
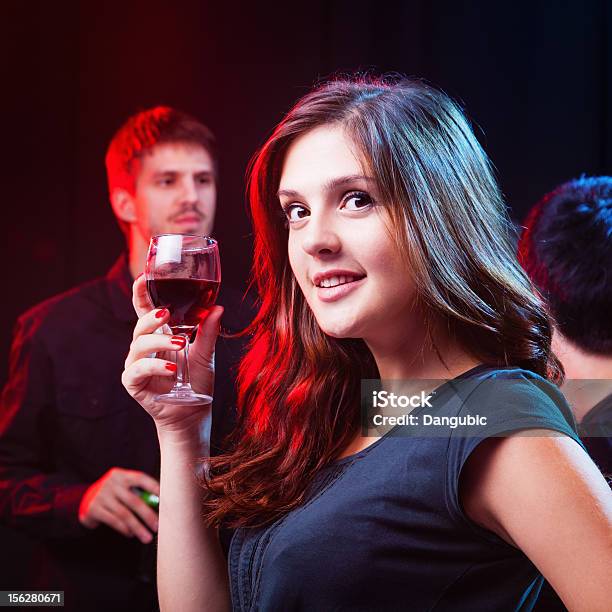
(178, 341)
(171, 366)
(160, 314)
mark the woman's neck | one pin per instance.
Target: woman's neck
(413, 354)
(398, 360)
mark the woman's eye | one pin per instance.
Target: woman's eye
(295, 212)
(357, 200)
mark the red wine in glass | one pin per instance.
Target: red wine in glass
(187, 299)
(183, 273)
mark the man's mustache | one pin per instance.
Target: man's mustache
(187, 211)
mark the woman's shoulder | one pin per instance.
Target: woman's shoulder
(511, 382)
(514, 398)
(494, 372)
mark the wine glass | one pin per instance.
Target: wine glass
(183, 274)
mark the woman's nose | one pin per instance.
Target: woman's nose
(321, 237)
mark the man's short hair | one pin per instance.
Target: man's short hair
(142, 131)
(566, 249)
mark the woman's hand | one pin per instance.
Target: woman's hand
(191, 569)
(145, 376)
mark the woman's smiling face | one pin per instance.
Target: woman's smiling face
(340, 250)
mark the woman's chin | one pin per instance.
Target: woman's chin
(340, 330)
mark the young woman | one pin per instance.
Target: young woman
(382, 252)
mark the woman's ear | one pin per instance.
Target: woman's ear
(123, 205)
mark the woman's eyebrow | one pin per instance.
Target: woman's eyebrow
(330, 185)
(289, 193)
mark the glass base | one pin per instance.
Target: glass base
(183, 398)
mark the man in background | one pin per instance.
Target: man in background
(73, 445)
(566, 248)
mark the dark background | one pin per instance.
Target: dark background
(535, 78)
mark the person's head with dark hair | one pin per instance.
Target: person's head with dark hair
(566, 248)
(162, 177)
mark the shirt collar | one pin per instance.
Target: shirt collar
(119, 282)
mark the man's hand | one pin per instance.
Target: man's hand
(109, 500)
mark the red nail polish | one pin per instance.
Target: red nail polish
(171, 366)
(178, 341)
(161, 313)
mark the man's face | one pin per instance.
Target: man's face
(175, 191)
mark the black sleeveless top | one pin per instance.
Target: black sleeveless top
(384, 529)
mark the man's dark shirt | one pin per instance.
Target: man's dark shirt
(596, 432)
(66, 419)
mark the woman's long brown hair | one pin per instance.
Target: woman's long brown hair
(299, 389)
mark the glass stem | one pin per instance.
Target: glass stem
(182, 366)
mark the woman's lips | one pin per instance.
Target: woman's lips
(331, 294)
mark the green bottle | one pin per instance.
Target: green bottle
(147, 497)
